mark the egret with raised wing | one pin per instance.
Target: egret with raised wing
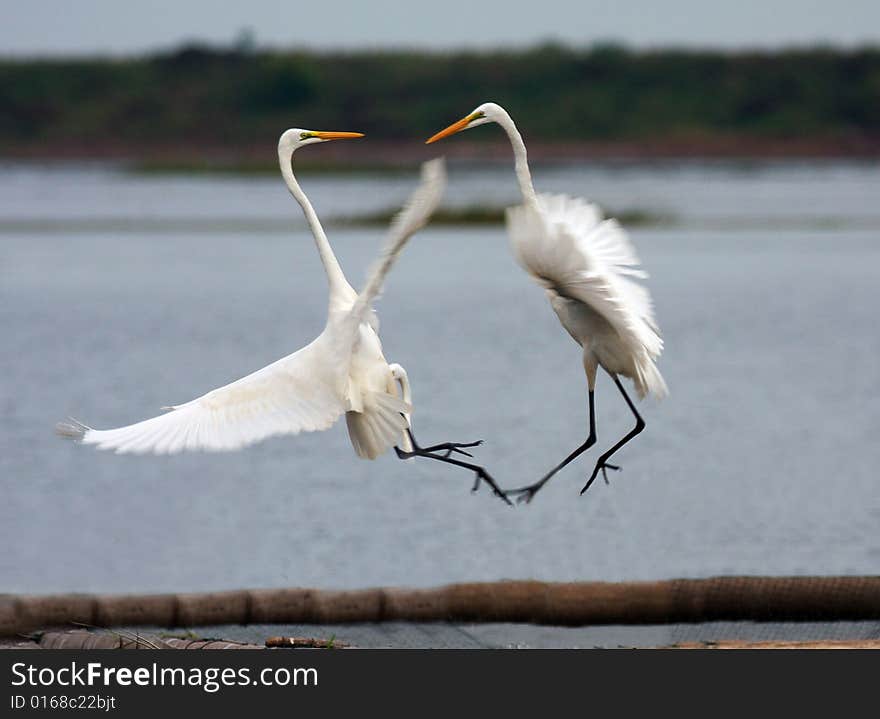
(586, 264)
(342, 371)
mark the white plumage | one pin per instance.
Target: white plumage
(343, 371)
(588, 267)
(585, 263)
(297, 393)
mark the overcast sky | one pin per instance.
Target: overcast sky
(35, 27)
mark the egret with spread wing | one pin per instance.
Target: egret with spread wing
(586, 265)
(342, 371)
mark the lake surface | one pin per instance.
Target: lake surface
(122, 293)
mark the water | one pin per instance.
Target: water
(763, 460)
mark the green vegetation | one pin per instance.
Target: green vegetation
(226, 98)
(494, 215)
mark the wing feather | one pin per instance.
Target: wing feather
(412, 218)
(566, 245)
(298, 393)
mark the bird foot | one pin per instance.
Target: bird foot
(444, 449)
(442, 452)
(524, 495)
(483, 476)
(600, 466)
(449, 448)
(456, 447)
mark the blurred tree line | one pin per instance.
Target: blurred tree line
(602, 93)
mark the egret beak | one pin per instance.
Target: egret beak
(337, 135)
(453, 128)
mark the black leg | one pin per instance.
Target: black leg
(601, 463)
(527, 493)
(450, 447)
(447, 447)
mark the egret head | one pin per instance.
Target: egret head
(487, 112)
(291, 140)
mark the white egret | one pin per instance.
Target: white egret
(584, 263)
(342, 371)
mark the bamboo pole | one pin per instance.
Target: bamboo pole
(564, 604)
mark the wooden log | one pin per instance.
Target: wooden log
(565, 604)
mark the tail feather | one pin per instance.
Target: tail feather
(648, 379)
(379, 426)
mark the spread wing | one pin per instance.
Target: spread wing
(412, 218)
(298, 393)
(567, 247)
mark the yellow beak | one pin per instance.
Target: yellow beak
(451, 130)
(337, 135)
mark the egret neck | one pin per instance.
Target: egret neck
(340, 289)
(523, 174)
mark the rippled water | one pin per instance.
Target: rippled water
(763, 460)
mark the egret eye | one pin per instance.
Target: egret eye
(305, 135)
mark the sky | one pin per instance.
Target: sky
(59, 27)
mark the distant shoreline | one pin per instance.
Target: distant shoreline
(407, 153)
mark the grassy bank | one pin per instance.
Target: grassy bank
(494, 215)
(177, 109)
